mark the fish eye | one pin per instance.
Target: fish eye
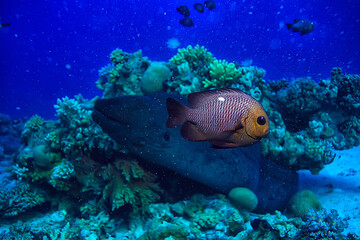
(261, 120)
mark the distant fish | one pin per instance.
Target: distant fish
(187, 22)
(246, 62)
(173, 43)
(210, 4)
(183, 10)
(4, 25)
(301, 25)
(224, 117)
(199, 7)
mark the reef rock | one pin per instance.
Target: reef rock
(138, 124)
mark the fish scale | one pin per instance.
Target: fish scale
(213, 116)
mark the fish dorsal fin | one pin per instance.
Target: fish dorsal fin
(195, 99)
(297, 20)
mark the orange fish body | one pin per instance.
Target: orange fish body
(224, 117)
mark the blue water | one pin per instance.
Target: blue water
(55, 48)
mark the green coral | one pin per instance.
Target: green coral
(18, 200)
(205, 221)
(61, 175)
(197, 57)
(128, 183)
(351, 130)
(279, 227)
(295, 150)
(348, 94)
(83, 135)
(52, 226)
(123, 75)
(118, 56)
(302, 202)
(34, 123)
(100, 226)
(222, 74)
(166, 231)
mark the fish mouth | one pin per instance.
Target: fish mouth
(253, 137)
(258, 138)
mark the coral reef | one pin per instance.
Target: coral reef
(128, 183)
(18, 200)
(59, 225)
(123, 75)
(213, 217)
(222, 74)
(34, 123)
(243, 198)
(201, 217)
(309, 121)
(348, 97)
(323, 225)
(198, 59)
(73, 154)
(302, 202)
(154, 77)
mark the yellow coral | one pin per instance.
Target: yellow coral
(34, 123)
(117, 56)
(222, 74)
(196, 57)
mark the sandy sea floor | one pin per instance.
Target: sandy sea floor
(338, 186)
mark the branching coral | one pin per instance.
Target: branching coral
(61, 174)
(201, 217)
(100, 226)
(299, 101)
(348, 96)
(323, 224)
(34, 123)
(128, 183)
(82, 135)
(18, 200)
(51, 154)
(123, 75)
(222, 75)
(275, 226)
(295, 150)
(197, 57)
(351, 130)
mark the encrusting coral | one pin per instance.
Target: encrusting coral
(123, 75)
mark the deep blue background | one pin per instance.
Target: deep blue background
(46, 36)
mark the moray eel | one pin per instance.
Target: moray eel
(138, 123)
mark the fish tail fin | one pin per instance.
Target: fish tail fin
(289, 26)
(177, 113)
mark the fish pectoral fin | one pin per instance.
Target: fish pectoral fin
(190, 132)
(239, 124)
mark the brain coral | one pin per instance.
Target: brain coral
(153, 78)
